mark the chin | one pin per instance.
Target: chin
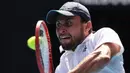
(68, 46)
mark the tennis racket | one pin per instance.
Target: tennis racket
(43, 48)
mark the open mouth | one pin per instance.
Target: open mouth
(64, 37)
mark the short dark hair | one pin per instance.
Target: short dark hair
(84, 20)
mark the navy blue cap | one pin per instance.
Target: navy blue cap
(68, 9)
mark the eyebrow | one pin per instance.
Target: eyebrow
(70, 17)
(67, 18)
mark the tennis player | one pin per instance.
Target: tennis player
(85, 51)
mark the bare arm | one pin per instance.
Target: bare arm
(97, 60)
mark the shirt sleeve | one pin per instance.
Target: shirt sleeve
(105, 35)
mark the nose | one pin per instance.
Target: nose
(61, 30)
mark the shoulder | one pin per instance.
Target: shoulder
(107, 35)
(105, 29)
(62, 58)
(61, 65)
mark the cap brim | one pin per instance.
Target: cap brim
(52, 15)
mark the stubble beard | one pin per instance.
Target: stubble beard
(74, 42)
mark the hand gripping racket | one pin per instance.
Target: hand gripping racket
(43, 48)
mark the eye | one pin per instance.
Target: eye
(58, 24)
(69, 23)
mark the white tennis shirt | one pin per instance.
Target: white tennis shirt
(70, 59)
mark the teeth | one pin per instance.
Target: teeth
(62, 37)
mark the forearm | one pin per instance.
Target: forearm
(94, 62)
(97, 64)
(85, 64)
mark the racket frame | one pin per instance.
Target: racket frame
(37, 46)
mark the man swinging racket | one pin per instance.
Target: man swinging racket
(85, 51)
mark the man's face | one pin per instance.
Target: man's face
(69, 31)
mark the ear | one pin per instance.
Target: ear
(87, 27)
